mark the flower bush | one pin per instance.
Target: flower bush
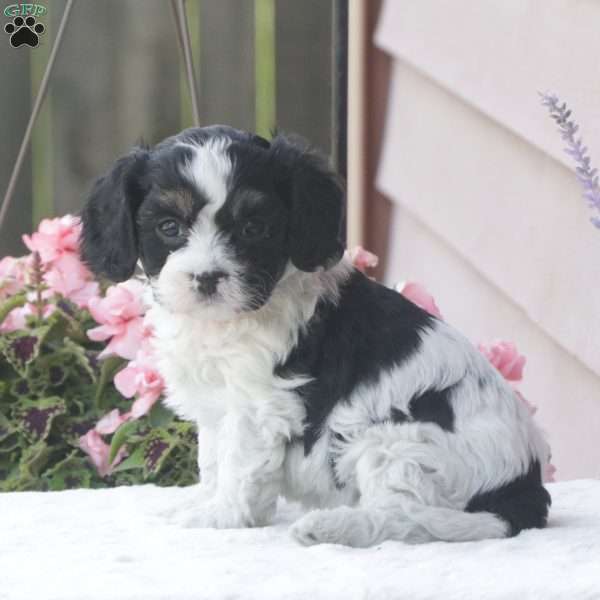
(79, 388)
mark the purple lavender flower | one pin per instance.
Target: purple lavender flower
(587, 176)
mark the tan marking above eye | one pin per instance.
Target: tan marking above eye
(181, 200)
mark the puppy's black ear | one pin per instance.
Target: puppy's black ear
(108, 240)
(315, 237)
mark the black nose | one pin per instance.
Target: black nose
(207, 282)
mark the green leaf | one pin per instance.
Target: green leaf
(134, 461)
(120, 437)
(33, 461)
(35, 417)
(110, 367)
(21, 388)
(157, 447)
(10, 442)
(21, 348)
(81, 356)
(6, 427)
(160, 415)
(70, 473)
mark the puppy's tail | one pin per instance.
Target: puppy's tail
(421, 523)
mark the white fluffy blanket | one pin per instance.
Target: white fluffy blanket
(115, 544)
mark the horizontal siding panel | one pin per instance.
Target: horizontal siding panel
(565, 391)
(498, 55)
(510, 211)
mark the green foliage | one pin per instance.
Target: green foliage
(53, 390)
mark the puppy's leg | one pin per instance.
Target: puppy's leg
(185, 511)
(248, 479)
(403, 497)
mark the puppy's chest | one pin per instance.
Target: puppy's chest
(208, 375)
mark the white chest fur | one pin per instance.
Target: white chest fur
(212, 368)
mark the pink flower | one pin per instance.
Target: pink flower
(120, 317)
(548, 474)
(98, 451)
(57, 243)
(362, 259)
(532, 408)
(54, 237)
(69, 277)
(17, 318)
(14, 320)
(505, 357)
(418, 295)
(12, 276)
(110, 422)
(140, 378)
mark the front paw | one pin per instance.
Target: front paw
(213, 515)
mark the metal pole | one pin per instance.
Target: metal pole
(340, 85)
(39, 100)
(183, 35)
(339, 130)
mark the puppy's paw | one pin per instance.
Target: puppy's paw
(343, 525)
(210, 514)
(317, 527)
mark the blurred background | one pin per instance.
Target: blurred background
(119, 79)
(456, 176)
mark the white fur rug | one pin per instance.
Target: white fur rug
(115, 544)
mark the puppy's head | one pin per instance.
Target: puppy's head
(215, 216)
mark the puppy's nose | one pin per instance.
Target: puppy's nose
(207, 283)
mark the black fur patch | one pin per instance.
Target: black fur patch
(109, 241)
(371, 329)
(433, 406)
(398, 416)
(523, 503)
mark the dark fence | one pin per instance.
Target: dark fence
(118, 79)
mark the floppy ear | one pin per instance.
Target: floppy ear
(315, 236)
(108, 239)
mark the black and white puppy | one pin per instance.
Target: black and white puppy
(307, 379)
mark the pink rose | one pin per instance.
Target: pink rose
(418, 295)
(98, 451)
(362, 259)
(17, 318)
(54, 237)
(57, 243)
(110, 422)
(140, 378)
(12, 276)
(120, 316)
(532, 408)
(548, 474)
(505, 357)
(69, 277)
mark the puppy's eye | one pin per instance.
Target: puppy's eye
(254, 230)
(170, 228)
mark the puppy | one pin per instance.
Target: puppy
(307, 380)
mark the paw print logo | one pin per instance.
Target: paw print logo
(24, 31)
